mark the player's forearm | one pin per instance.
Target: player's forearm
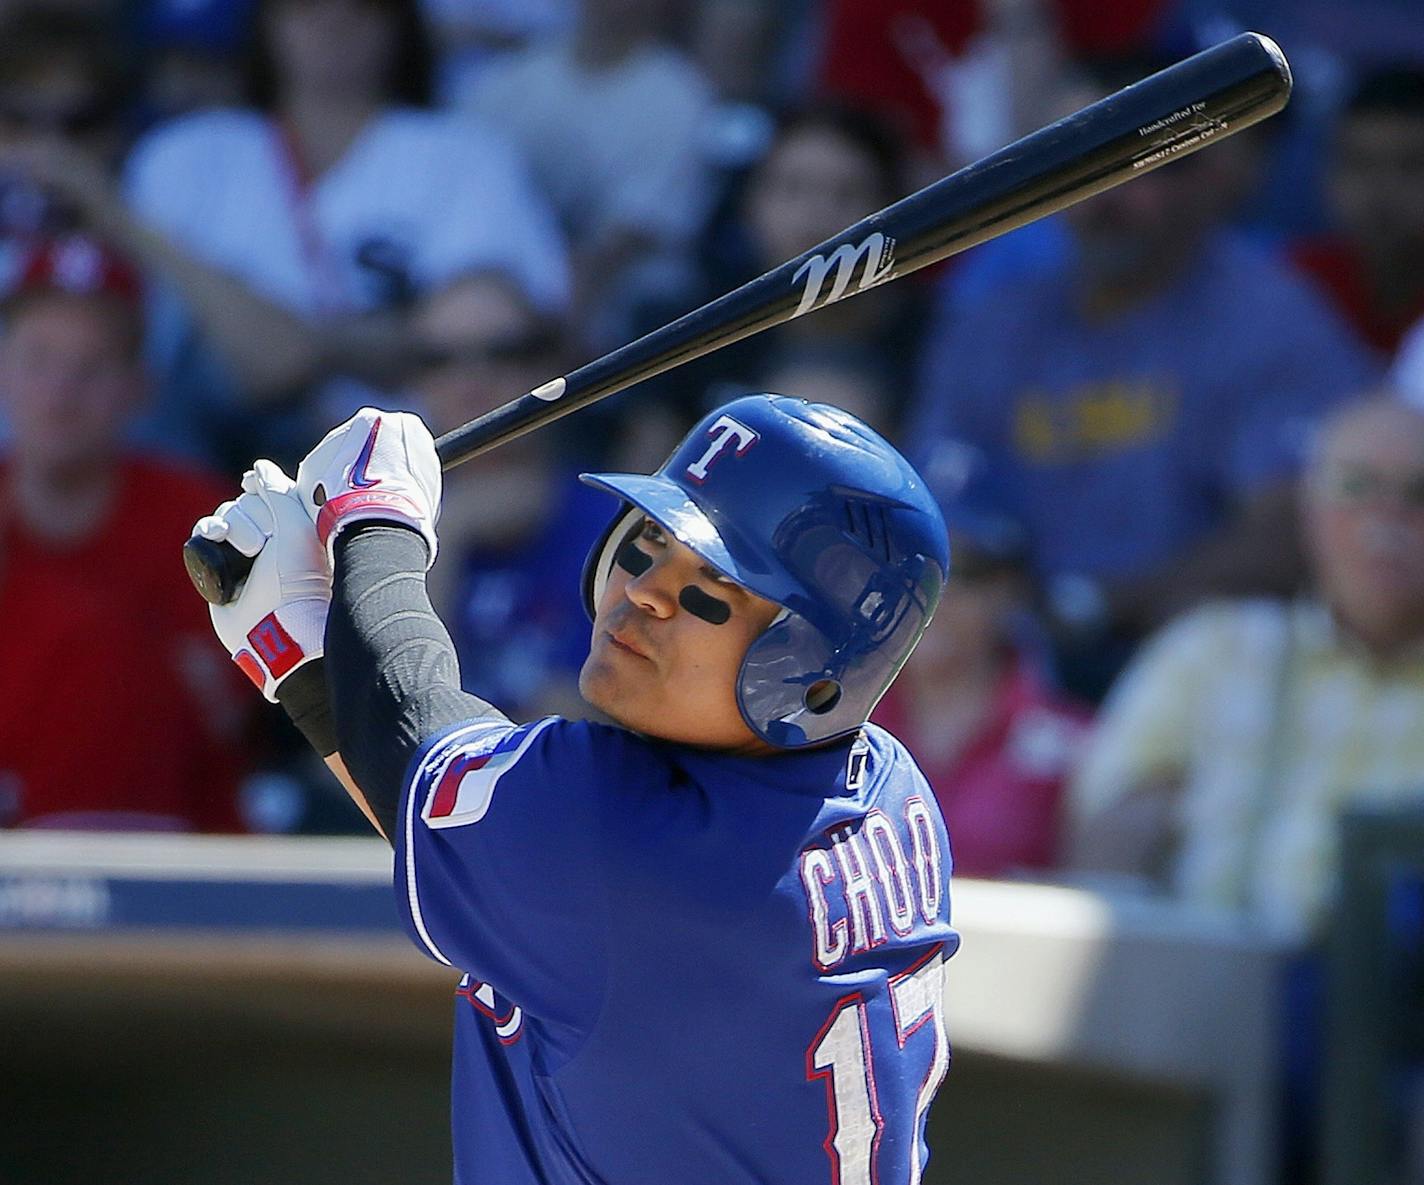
(392, 675)
(304, 698)
(343, 775)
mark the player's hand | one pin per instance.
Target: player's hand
(378, 465)
(278, 620)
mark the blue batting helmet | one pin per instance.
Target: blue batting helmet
(806, 506)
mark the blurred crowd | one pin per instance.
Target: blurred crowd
(1178, 430)
(225, 224)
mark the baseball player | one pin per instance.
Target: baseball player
(703, 943)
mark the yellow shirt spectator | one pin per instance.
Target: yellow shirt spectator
(1256, 725)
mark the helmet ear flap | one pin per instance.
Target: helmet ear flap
(789, 690)
(599, 563)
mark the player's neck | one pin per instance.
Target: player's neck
(63, 503)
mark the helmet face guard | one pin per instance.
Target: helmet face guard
(805, 506)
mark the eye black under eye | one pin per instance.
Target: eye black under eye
(700, 604)
(631, 558)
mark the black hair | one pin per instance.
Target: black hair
(1392, 90)
(410, 82)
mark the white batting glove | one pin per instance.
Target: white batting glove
(278, 620)
(378, 465)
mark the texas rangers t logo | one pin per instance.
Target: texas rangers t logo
(725, 431)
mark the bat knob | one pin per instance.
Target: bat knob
(217, 570)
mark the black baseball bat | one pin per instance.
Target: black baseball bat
(1172, 113)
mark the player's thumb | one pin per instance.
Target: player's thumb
(266, 477)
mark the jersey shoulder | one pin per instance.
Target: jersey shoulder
(889, 762)
(454, 775)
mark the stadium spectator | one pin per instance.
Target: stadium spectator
(1232, 744)
(994, 739)
(964, 79)
(1372, 264)
(746, 51)
(469, 34)
(515, 522)
(611, 120)
(739, 45)
(1147, 396)
(297, 230)
(828, 166)
(60, 75)
(116, 708)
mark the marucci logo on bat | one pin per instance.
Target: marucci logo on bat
(876, 249)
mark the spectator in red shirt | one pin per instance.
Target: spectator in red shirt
(116, 708)
(1372, 263)
(974, 705)
(965, 78)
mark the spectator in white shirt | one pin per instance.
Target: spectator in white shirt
(612, 120)
(297, 230)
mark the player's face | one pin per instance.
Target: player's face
(669, 636)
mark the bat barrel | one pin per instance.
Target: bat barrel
(1173, 113)
(1170, 114)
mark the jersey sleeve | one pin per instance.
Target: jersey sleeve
(503, 853)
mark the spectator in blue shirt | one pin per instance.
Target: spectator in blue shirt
(1146, 395)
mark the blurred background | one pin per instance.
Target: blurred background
(1172, 705)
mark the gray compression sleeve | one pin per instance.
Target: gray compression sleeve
(391, 670)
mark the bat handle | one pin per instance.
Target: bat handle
(217, 570)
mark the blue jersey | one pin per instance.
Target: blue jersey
(681, 965)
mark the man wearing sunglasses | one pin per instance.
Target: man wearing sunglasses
(1229, 749)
